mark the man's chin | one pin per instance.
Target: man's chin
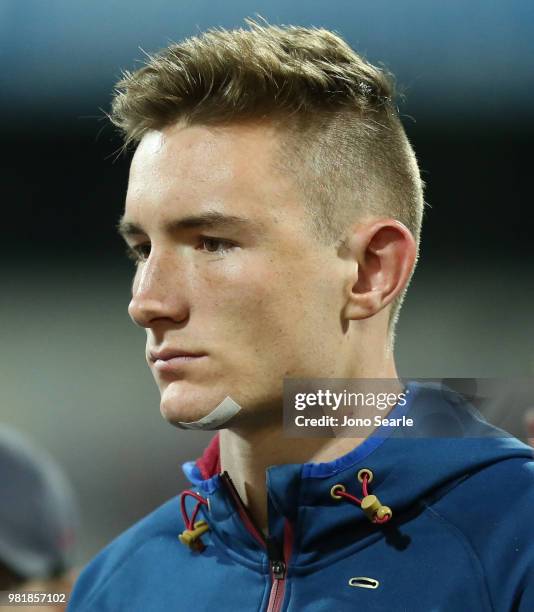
(176, 414)
(182, 402)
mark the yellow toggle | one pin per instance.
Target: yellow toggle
(191, 537)
(372, 507)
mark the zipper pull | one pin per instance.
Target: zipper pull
(274, 552)
(278, 569)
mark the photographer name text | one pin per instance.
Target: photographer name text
(346, 421)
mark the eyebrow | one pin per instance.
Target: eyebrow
(210, 219)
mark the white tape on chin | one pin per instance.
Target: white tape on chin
(217, 417)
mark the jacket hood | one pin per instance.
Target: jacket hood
(411, 467)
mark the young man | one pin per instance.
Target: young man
(274, 209)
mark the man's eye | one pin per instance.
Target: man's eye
(138, 253)
(141, 252)
(216, 245)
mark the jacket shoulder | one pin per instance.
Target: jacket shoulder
(163, 524)
(492, 510)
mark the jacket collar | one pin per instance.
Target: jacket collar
(410, 466)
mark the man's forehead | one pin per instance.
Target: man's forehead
(152, 142)
(177, 151)
(185, 142)
(200, 166)
(221, 157)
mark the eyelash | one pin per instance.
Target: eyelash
(137, 256)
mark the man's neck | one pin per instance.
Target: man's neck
(247, 453)
(246, 459)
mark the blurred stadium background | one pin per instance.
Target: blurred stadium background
(72, 369)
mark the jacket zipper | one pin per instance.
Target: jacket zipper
(278, 558)
(278, 575)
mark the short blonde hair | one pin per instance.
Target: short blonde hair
(340, 133)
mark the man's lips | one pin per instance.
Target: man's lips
(166, 354)
(172, 359)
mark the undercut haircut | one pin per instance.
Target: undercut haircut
(341, 137)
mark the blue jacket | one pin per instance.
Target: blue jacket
(460, 536)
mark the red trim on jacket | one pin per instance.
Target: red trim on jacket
(209, 463)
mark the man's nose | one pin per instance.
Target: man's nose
(155, 294)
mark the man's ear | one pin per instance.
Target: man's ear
(382, 253)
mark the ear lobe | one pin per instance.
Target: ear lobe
(384, 254)
(364, 300)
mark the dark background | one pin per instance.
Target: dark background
(72, 372)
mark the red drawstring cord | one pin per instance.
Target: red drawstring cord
(191, 535)
(190, 521)
(370, 504)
